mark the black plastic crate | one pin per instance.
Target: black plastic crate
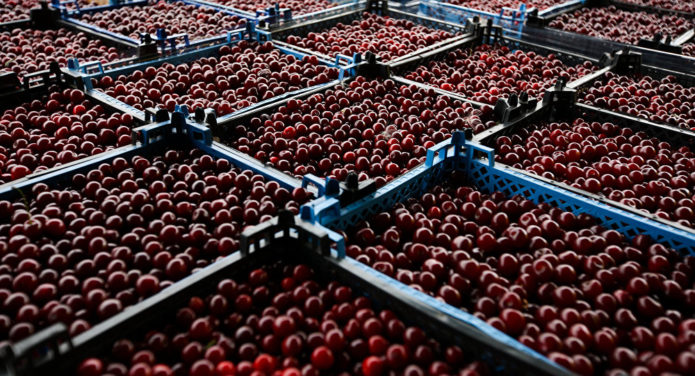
(291, 241)
(661, 50)
(48, 19)
(89, 75)
(40, 86)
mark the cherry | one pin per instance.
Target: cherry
(322, 358)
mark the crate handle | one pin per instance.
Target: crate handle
(323, 206)
(45, 344)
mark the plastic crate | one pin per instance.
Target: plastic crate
(636, 6)
(292, 241)
(482, 32)
(223, 132)
(152, 138)
(661, 53)
(156, 139)
(40, 84)
(511, 20)
(628, 63)
(379, 7)
(47, 18)
(71, 7)
(275, 16)
(675, 136)
(89, 71)
(161, 37)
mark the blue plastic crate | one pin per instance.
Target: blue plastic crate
(457, 153)
(95, 70)
(477, 162)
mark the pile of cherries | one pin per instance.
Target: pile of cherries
(688, 49)
(282, 321)
(632, 168)
(386, 37)
(58, 128)
(242, 75)
(120, 233)
(372, 127)
(664, 101)
(175, 17)
(678, 5)
(578, 293)
(297, 6)
(495, 6)
(619, 25)
(15, 10)
(488, 73)
(29, 50)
